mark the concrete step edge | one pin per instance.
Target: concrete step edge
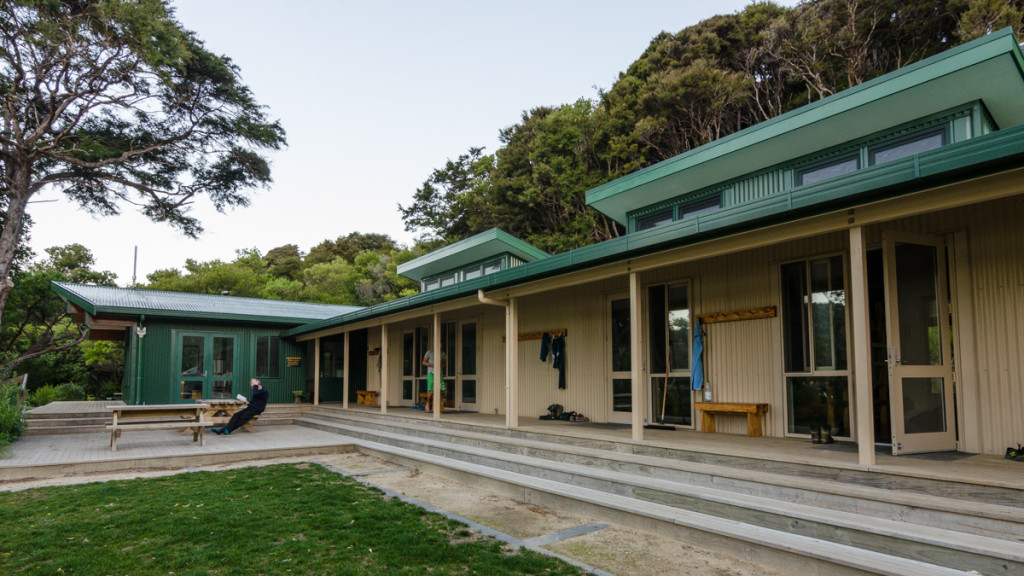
(1004, 513)
(831, 552)
(941, 537)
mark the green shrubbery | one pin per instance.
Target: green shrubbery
(66, 392)
(11, 422)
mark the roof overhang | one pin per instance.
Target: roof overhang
(485, 245)
(973, 160)
(990, 69)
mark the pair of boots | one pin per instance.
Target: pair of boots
(1015, 454)
(821, 435)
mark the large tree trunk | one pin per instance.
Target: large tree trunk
(18, 193)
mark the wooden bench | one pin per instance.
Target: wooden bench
(710, 409)
(423, 400)
(198, 429)
(367, 397)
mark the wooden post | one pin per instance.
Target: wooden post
(512, 364)
(316, 372)
(862, 389)
(344, 374)
(383, 369)
(438, 373)
(635, 363)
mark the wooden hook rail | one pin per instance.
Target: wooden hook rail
(540, 334)
(736, 315)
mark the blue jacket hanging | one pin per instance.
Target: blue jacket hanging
(558, 359)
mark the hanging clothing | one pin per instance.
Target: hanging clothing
(697, 373)
(558, 359)
(545, 345)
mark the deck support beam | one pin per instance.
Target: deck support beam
(636, 366)
(862, 389)
(316, 373)
(438, 368)
(384, 362)
(344, 374)
(512, 363)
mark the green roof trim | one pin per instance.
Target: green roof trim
(484, 245)
(990, 69)
(987, 154)
(154, 303)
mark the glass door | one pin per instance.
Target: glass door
(919, 351)
(466, 376)
(669, 350)
(620, 367)
(206, 366)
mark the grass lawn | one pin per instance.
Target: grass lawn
(283, 519)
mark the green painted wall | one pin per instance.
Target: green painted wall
(159, 380)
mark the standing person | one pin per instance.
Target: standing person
(428, 361)
(254, 407)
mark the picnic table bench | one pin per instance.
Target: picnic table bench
(752, 411)
(220, 411)
(159, 417)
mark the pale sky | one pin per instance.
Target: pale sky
(374, 96)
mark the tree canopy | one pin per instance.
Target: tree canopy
(687, 89)
(112, 102)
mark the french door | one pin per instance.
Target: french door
(206, 366)
(918, 346)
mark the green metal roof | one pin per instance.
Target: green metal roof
(990, 69)
(987, 154)
(485, 245)
(154, 303)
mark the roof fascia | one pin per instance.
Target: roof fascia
(984, 154)
(951, 61)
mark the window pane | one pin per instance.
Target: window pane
(492, 267)
(448, 280)
(828, 311)
(274, 358)
(656, 299)
(794, 317)
(469, 391)
(192, 356)
(906, 148)
(621, 347)
(698, 207)
(830, 170)
(920, 337)
(678, 328)
(676, 399)
(659, 218)
(262, 354)
(622, 395)
(924, 406)
(818, 401)
(408, 355)
(448, 349)
(474, 272)
(268, 355)
(469, 350)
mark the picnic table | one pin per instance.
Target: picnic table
(220, 412)
(159, 417)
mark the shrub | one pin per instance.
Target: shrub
(70, 392)
(11, 422)
(44, 395)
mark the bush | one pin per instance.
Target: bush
(44, 395)
(11, 422)
(70, 392)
